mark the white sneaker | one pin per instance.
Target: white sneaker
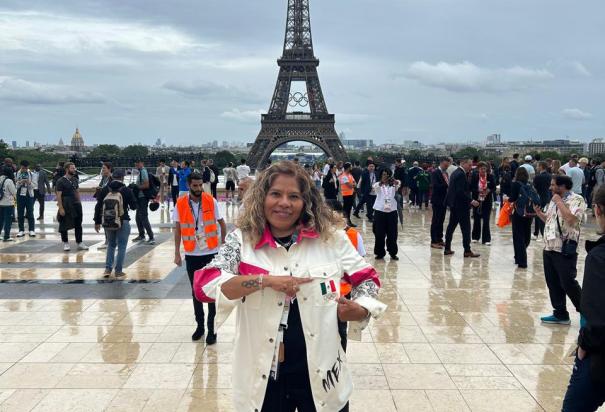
(534, 237)
(82, 246)
(103, 246)
(66, 247)
(32, 233)
(488, 243)
(475, 241)
(20, 234)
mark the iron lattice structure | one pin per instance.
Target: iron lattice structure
(297, 64)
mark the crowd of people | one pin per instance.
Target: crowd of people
(276, 260)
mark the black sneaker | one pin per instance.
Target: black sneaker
(199, 332)
(394, 257)
(351, 224)
(356, 214)
(211, 338)
(138, 238)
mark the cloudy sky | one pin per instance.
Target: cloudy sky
(195, 71)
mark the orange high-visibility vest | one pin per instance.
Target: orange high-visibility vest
(352, 234)
(344, 188)
(345, 287)
(187, 221)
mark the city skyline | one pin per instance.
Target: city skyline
(128, 73)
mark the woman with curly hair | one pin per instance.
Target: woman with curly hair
(282, 270)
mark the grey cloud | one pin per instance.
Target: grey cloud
(25, 92)
(205, 89)
(466, 77)
(576, 114)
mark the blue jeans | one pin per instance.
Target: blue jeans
(6, 220)
(582, 395)
(25, 204)
(119, 238)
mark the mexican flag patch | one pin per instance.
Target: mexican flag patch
(328, 287)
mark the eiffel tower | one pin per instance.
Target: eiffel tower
(297, 64)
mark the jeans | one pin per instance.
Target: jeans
(538, 226)
(6, 220)
(582, 394)
(39, 197)
(117, 238)
(462, 217)
(142, 217)
(560, 273)
(25, 204)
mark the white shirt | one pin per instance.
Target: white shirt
(326, 169)
(200, 229)
(35, 176)
(577, 177)
(385, 196)
(243, 171)
(259, 314)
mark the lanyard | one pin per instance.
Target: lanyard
(199, 212)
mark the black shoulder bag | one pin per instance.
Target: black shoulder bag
(570, 246)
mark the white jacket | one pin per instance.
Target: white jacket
(258, 314)
(10, 191)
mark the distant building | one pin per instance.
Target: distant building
(357, 143)
(158, 142)
(27, 143)
(14, 144)
(596, 147)
(61, 142)
(77, 142)
(493, 139)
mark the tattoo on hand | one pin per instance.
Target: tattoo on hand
(249, 284)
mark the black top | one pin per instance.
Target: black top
(366, 181)
(491, 185)
(330, 191)
(130, 202)
(458, 193)
(400, 174)
(67, 187)
(542, 185)
(171, 174)
(412, 173)
(356, 173)
(216, 173)
(592, 336)
(514, 165)
(439, 187)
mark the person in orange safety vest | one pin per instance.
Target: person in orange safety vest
(197, 219)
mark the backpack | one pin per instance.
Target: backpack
(154, 187)
(528, 197)
(113, 210)
(2, 187)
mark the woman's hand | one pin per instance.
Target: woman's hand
(286, 284)
(350, 311)
(581, 353)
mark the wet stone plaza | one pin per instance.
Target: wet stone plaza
(459, 334)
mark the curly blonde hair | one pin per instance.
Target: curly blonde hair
(316, 214)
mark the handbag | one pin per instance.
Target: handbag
(570, 246)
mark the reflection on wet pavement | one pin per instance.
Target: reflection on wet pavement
(459, 334)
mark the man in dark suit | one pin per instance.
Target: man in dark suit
(439, 181)
(366, 191)
(459, 200)
(542, 186)
(173, 180)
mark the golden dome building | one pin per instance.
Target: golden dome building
(77, 142)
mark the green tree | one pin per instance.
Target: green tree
(4, 150)
(222, 157)
(135, 151)
(106, 150)
(468, 152)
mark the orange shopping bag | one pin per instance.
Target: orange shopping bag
(504, 217)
